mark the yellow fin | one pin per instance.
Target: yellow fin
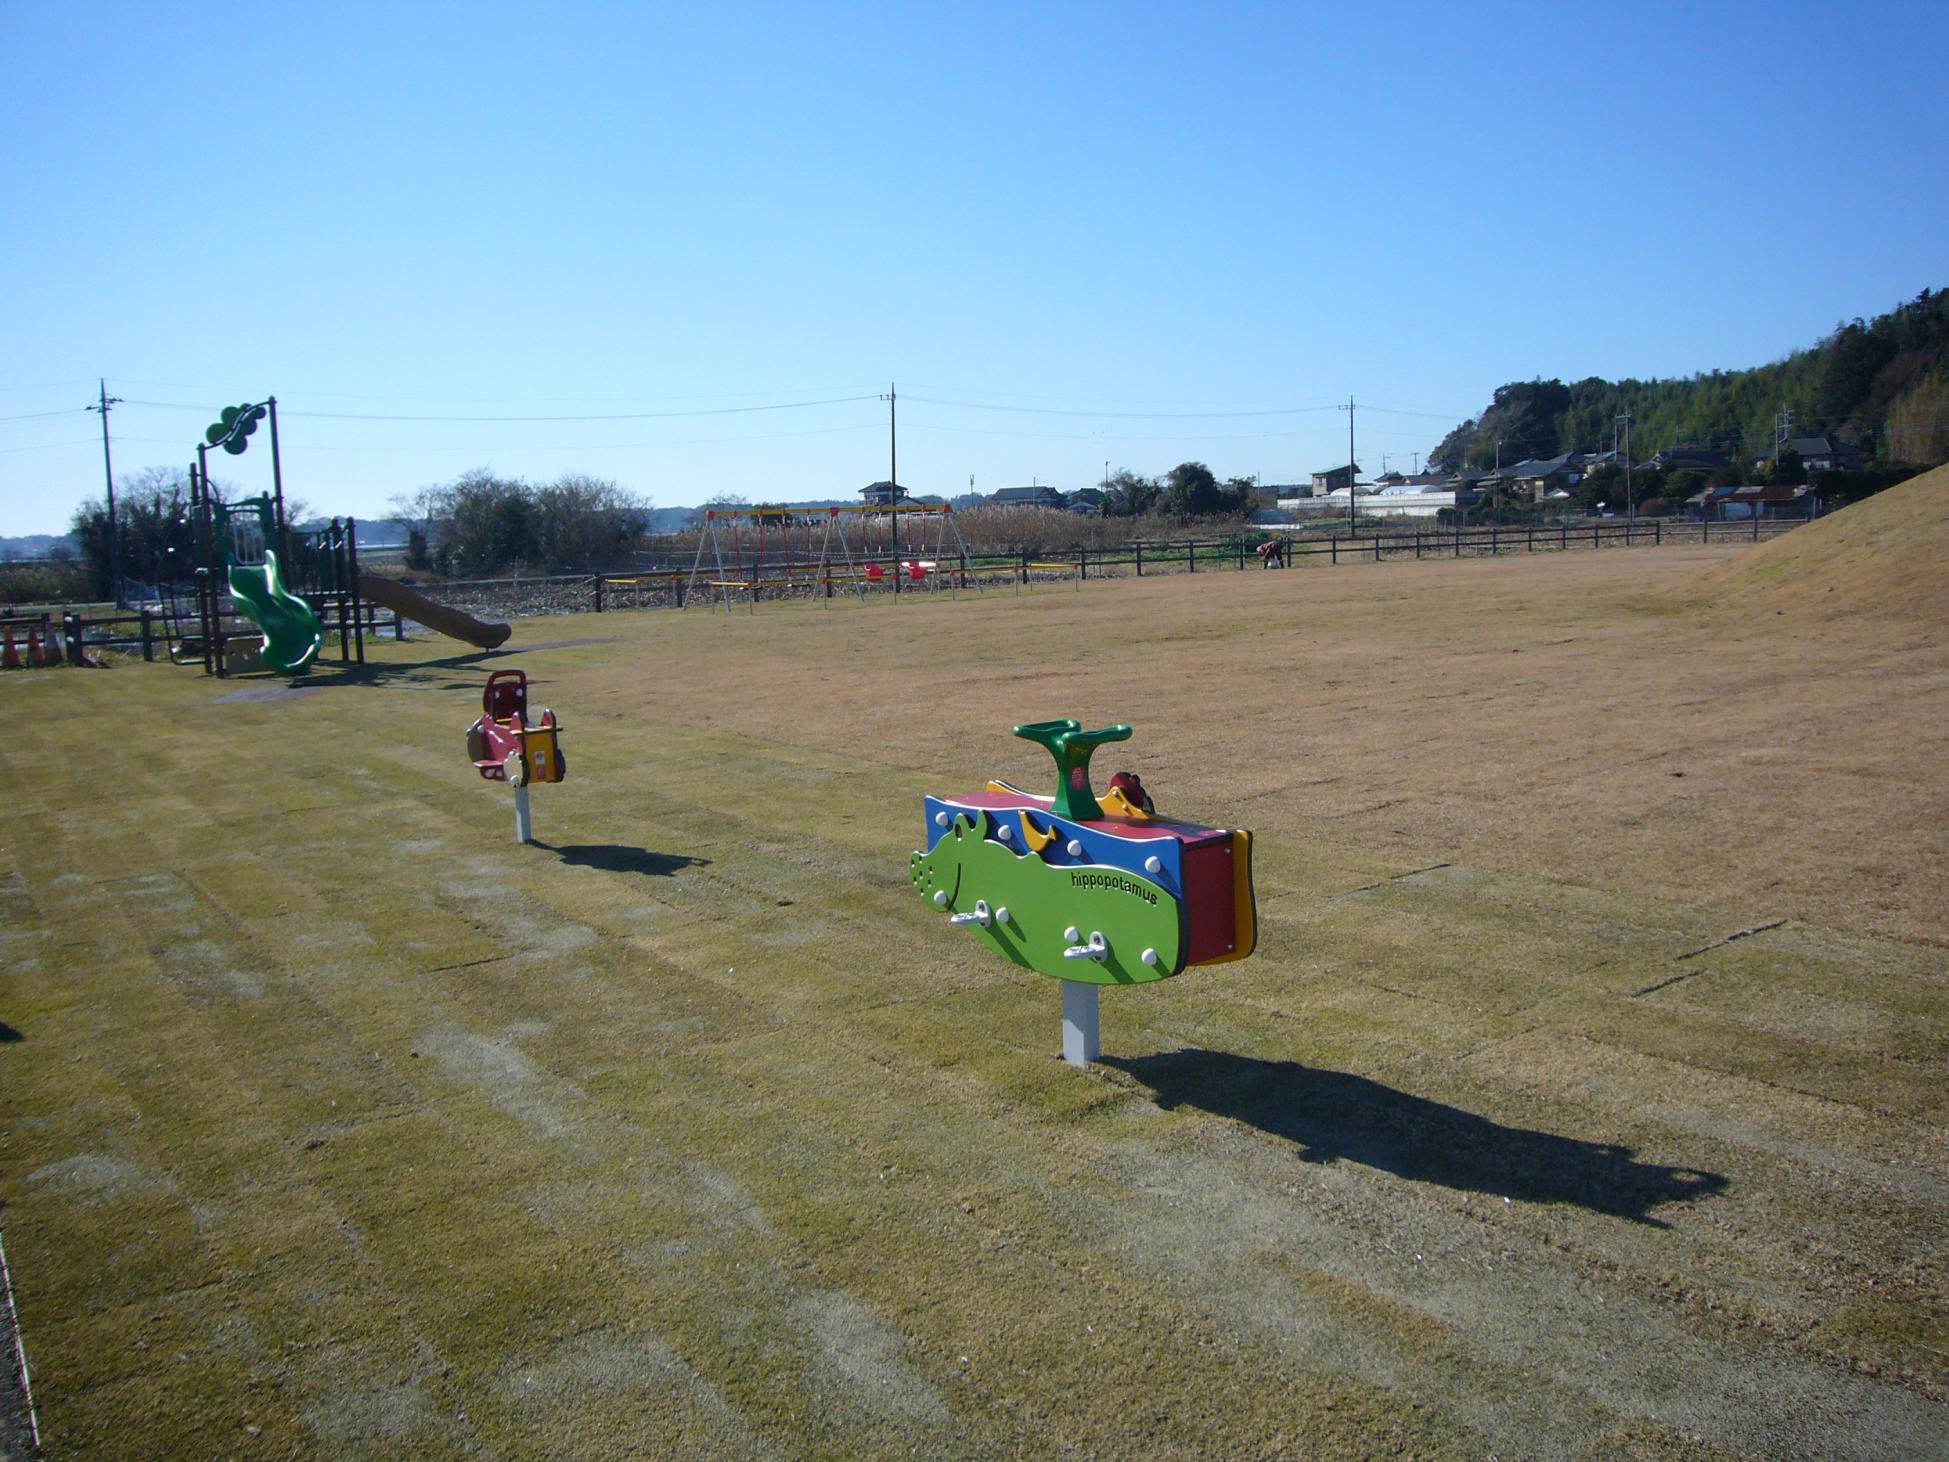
(1037, 841)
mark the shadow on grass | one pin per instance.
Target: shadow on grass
(1331, 1114)
(621, 858)
(375, 672)
(8, 1033)
(425, 674)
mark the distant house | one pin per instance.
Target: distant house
(1088, 500)
(1542, 477)
(1824, 454)
(1026, 497)
(1722, 504)
(882, 494)
(1691, 459)
(1335, 479)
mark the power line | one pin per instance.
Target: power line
(1118, 415)
(478, 399)
(511, 420)
(1431, 415)
(819, 431)
(49, 446)
(1046, 436)
(48, 415)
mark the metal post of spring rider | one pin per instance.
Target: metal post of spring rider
(523, 830)
(1082, 1039)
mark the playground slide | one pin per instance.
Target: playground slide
(403, 601)
(291, 631)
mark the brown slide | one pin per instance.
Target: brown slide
(410, 605)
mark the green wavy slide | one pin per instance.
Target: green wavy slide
(292, 634)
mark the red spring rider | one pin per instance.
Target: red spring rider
(505, 746)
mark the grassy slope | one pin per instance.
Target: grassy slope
(341, 1125)
(1888, 554)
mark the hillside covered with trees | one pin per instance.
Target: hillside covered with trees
(1879, 385)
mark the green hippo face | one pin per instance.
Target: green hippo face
(1032, 912)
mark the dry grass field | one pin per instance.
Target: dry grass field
(1585, 1099)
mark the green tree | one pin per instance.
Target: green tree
(158, 542)
(1918, 421)
(493, 523)
(1684, 485)
(1131, 496)
(1240, 495)
(1603, 484)
(582, 522)
(1788, 468)
(1851, 360)
(488, 522)
(1191, 491)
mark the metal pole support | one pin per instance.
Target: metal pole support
(1082, 1037)
(523, 829)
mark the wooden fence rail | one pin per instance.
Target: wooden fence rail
(526, 594)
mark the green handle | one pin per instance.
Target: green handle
(1072, 747)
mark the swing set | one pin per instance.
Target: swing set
(751, 549)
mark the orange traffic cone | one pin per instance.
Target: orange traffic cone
(10, 657)
(42, 651)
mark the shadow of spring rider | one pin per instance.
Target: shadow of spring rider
(1091, 893)
(505, 746)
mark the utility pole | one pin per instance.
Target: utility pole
(1630, 500)
(108, 471)
(893, 468)
(1351, 474)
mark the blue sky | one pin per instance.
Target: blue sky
(1104, 233)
